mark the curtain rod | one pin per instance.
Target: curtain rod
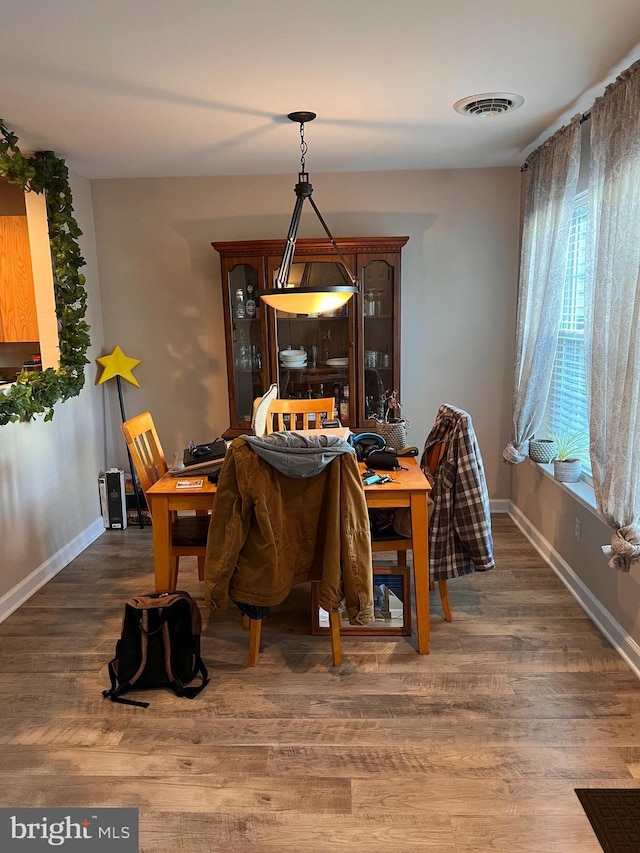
(584, 117)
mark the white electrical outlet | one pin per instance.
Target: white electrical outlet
(577, 529)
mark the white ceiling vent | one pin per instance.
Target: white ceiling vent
(489, 104)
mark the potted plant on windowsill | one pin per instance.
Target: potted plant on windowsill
(571, 451)
(542, 449)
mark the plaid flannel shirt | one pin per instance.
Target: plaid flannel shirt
(460, 540)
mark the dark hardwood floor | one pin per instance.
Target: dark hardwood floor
(476, 747)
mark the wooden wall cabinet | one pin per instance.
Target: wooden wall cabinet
(355, 350)
(18, 320)
(28, 318)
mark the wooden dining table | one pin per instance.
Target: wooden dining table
(408, 489)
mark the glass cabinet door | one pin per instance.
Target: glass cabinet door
(378, 320)
(314, 352)
(246, 340)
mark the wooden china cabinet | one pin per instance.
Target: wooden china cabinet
(353, 354)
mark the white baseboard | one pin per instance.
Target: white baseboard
(626, 647)
(20, 593)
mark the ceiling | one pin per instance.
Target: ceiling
(202, 87)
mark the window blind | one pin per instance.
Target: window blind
(567, 403)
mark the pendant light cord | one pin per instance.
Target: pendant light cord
(303, 151)
(303, 190)
(304, 177)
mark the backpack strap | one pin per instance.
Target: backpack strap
(192, 692)
(174, 682)
(143, 625)
(115, 692)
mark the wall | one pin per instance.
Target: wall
(38, 224)
(48, 471)
(547, 512)
(161, 291)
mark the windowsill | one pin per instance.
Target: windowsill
(581, 491)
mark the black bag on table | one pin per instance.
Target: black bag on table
(382, 460)
(159, 647)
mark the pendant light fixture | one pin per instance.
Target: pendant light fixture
(303, 297)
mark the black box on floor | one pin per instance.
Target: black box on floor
(112, 499)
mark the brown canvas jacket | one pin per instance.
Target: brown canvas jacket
(269, 532)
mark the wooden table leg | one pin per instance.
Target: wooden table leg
(255, 628)
(336, 648)
(161, 543)
(419, 536)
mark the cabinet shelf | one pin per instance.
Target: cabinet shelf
(321, 368)
(307, 318)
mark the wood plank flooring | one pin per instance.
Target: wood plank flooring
(476, 747)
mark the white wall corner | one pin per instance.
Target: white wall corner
(625, 645)
(20, 593)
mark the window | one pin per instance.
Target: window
(567, 403)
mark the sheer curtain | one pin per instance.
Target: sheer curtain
(549, 201)
(612, 311)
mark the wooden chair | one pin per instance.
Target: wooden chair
(255, 628)
(188, 533)
(401, 545)
(433, 460)
(298, 414)
(300, 410)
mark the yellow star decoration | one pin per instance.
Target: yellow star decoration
(118, 364)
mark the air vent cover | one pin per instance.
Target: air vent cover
(489, 104)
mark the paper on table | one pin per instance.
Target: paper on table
(189, 484)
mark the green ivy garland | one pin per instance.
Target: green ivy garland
(35, 392)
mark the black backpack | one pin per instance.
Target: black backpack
(159, 647)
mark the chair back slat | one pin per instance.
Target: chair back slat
(435, 455)
(298, 414)
(146, 451)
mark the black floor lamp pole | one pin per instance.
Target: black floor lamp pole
(134, 482)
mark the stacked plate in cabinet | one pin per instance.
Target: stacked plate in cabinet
(293, 358)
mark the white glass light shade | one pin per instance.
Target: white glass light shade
(302, 300)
